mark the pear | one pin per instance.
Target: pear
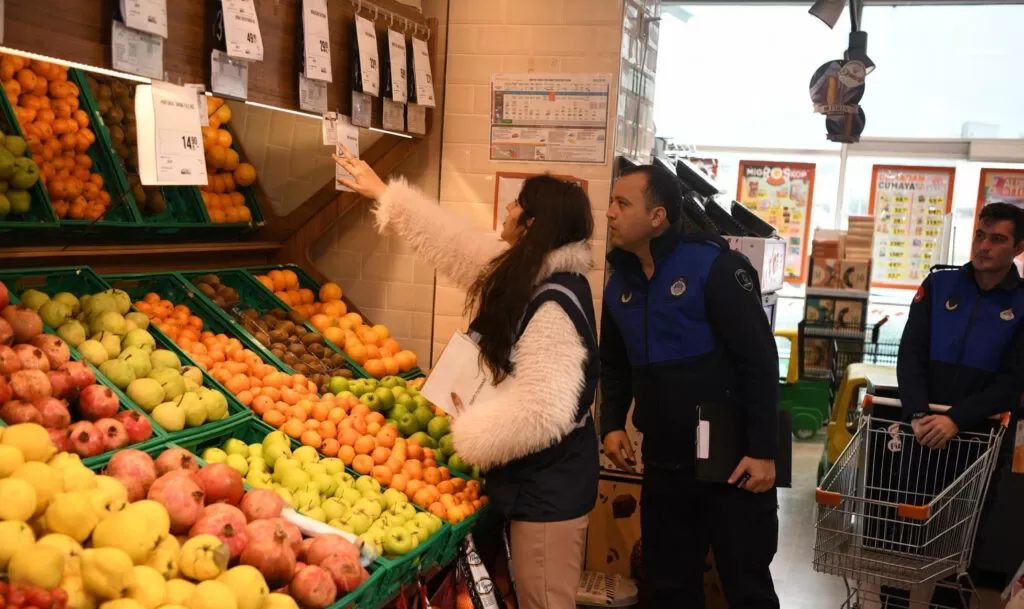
(170, 416)
(129, 531)
(164, 558)
(108, 573)
(102, 505)
(71, 549)
(212, 595)
(37, 565)
(179, 591)
(14, 536)
(248, 585)
(150, 587)
(66, 516)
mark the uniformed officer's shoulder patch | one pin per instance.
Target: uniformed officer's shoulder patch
(678, 287)
(743, 278)
(919, 295)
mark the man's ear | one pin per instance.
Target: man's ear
(659, 217)
(1019, 248)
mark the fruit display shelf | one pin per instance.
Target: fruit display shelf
(26, 226)
(249, 192)
(83, 280)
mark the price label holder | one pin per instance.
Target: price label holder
(145, 15)
(242, 38)
(399, 63)
(170, 140)
(362, 109)
(417, 119)
(330, 129)
(369, 66)
(316, 41)
(394, 115)
(312, 95)
(421, 73)
(204, 111)
(348, 136)
(136, 52)
(228, 77)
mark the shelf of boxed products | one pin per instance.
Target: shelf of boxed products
(326, 309)
(178, 397)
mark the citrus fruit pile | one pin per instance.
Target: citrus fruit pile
(224, 169)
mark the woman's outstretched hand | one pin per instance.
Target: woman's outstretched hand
(365, 180)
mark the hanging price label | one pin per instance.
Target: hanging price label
(204, 112)
(136, 52)
(361, 109)
(146, 15)
(369, 68)
(312, 95)
(316, 40)
(421, 68)
(330, 129)
(348, 136)
(399, 78)
(170, 141)
(394, 115)
(242, 36)
(228, 77)
(416, 117)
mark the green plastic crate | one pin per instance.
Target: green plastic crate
(403, 569)
(458, 533)
(40, 214)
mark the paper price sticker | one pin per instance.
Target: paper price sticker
(348, 136)
(316, 40)
(136, 52)
(394, 116)
(399, 64)
(170, 140)
(421, 68)
(416, 117)
(146, 16)
(204, 112)
(330, 129)
(312, 95)
(228, 77)
(369, 67)
(242, 36)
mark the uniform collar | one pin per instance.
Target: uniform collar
(661, 246)
(1011, 282)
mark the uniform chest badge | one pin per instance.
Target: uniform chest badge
(626, 297)
(1006, 315)
(678, 287)
(952, 303)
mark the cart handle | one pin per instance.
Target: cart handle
(877, 329)
(1003, 418)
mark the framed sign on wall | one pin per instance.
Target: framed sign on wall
(507, 186)
(1001, 186)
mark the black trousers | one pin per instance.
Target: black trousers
(680, 519)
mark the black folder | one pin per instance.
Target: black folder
(727, 440)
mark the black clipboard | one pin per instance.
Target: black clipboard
(726, 441)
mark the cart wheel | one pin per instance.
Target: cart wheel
(805, 425)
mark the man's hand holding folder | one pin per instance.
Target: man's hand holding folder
(754, 475)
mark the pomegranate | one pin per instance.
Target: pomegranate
(347, 574)
(81, 375)
(5, 296)
(174, 459)
(55, 350)
(304, 547)
(16, 411)
(299, 565)
(228, 512)
(9, 362)
(31, 385)
(86, 439)
(136, 491)
(25, 322)
(54, 412)
(222, 484)
(261, 503)
(137, 426)
(6, 393)
(272, 556)
(263, 529)
(325, 546)
(62, 385)
(225, 527)
(313, 588)
(6, 332)
(193, 476)
(60, 439)
(182, 498)
(32, 358)
(114, 434)
(132, 464)
(98, 402)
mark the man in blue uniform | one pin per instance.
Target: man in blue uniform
(683, 327)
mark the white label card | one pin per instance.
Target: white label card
(362, 109)
(394, 115)
(421, 66)
(242, 36)
(703, 439)
(399, 65)
(330, 129)
(136, 52)
(316, 42)
(228, 77)
(369, 66)
(170, 140)
(348, 136)
(416, 116)
(146, 15)
(312, 95)
(204, 111)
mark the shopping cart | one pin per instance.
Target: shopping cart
(892, 513)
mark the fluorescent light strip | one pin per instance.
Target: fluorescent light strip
(295, 112)
(80, 66)
(405, 135)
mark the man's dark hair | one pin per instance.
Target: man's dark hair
(1005, 211)
(662, 190)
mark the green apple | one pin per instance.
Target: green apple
(326, 483)
(347, 394)
(234, 446)
(274, 452)
(94, 352)
(257, 479)
(337, 385)
(317, 513)
(73, 332)
(397, 541)
(286, 495)
(54, 313)
(285, 465)
(110, 341)
(238, 463)
(334, 465)
(348, 494)
(334, 508)
(138, 360)
(456, 463)
(369, 507)
(306, 454)
(423, 414)
(438, 427)
(256, 450)
(405, 510)
(6, 165)
(355, 522)
(5, 203)
(422, 402)
(366, 483)
(145, 341)
(16, 145)
(162, 358)
(119, 372)
(447, 445)
(392, 382)
(215, 455)
(256, 463)
(386, 398)
(403, 401)
(305, 500)
(394, 496)
(26, 174)
(430, 522)
(374, 539)
(140, 320)
(418, 528)
(313, 468)
(423, 439)
(19, 200)
(407, 424)
(345, 480)
(371, 401)
(97, 304)
(170, 380)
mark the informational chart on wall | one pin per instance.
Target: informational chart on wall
(781, 194)
(506, 189)
(1001, 186)
(910, 205)
(550, 117)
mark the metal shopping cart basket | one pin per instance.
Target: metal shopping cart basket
(892, 513)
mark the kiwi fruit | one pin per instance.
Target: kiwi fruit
(278, 352)
(210, 279)
(263, 340)
(300, 368)
(300, 332)
(207, 290)
(286, 326)
(217, 300)
(345, 372)
(295, 316)
(278, 313)
(250, 314)
(312, 339)
(297, 348)
(309, 358)
(290, 358)
(338, 360)
(278, 335)
(316, 349)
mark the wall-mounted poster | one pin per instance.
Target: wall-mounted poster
(1001, 186)
(909, 205)
(781, 194)
(507, 186)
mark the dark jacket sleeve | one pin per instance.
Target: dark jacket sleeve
(733, 304)
(616, 376)
(1001, 395)
(915, 346)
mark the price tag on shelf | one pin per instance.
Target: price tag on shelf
(146, 16)
(242, 36)
(330, 129)
(136, 52)
(399, 65)
(369, 67)
(316, 42)
(394, 115)
(348, 136)
(361, 109)
(421, 73)
(204, 111)
(228, 77)
(170, 141)
(416, 117)
(312, 95)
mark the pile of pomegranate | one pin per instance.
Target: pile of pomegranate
(40, 384)
(212, 500)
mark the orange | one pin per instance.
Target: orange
(446, 473)
(413, 469)
(266, 281)
(231, 160)
(347, 436)
(210, 138)
(223, 137)
(293, 428)
(307, 296)
(245, 174)
(42, 86)
(277, 277)
(422, 498)
(363, 464)
(311, 438)
(330, 447)
(274, 418)
(399, 482)
(213, 103)
(390, 366)
(229, 182)
(347, 454)
(27, 79)
(365, 445)
(224, 114)
(217, 157)
(374, 367)
(321, 322)
(406, 360)
(330, 291)
(380, 455)
(382, 474)
(334, 334)
(291, 280)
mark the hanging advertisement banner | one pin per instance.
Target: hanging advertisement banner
(1001, 186)
(909, 205)
(781, 194)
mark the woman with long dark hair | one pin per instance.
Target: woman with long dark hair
(533, 319)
